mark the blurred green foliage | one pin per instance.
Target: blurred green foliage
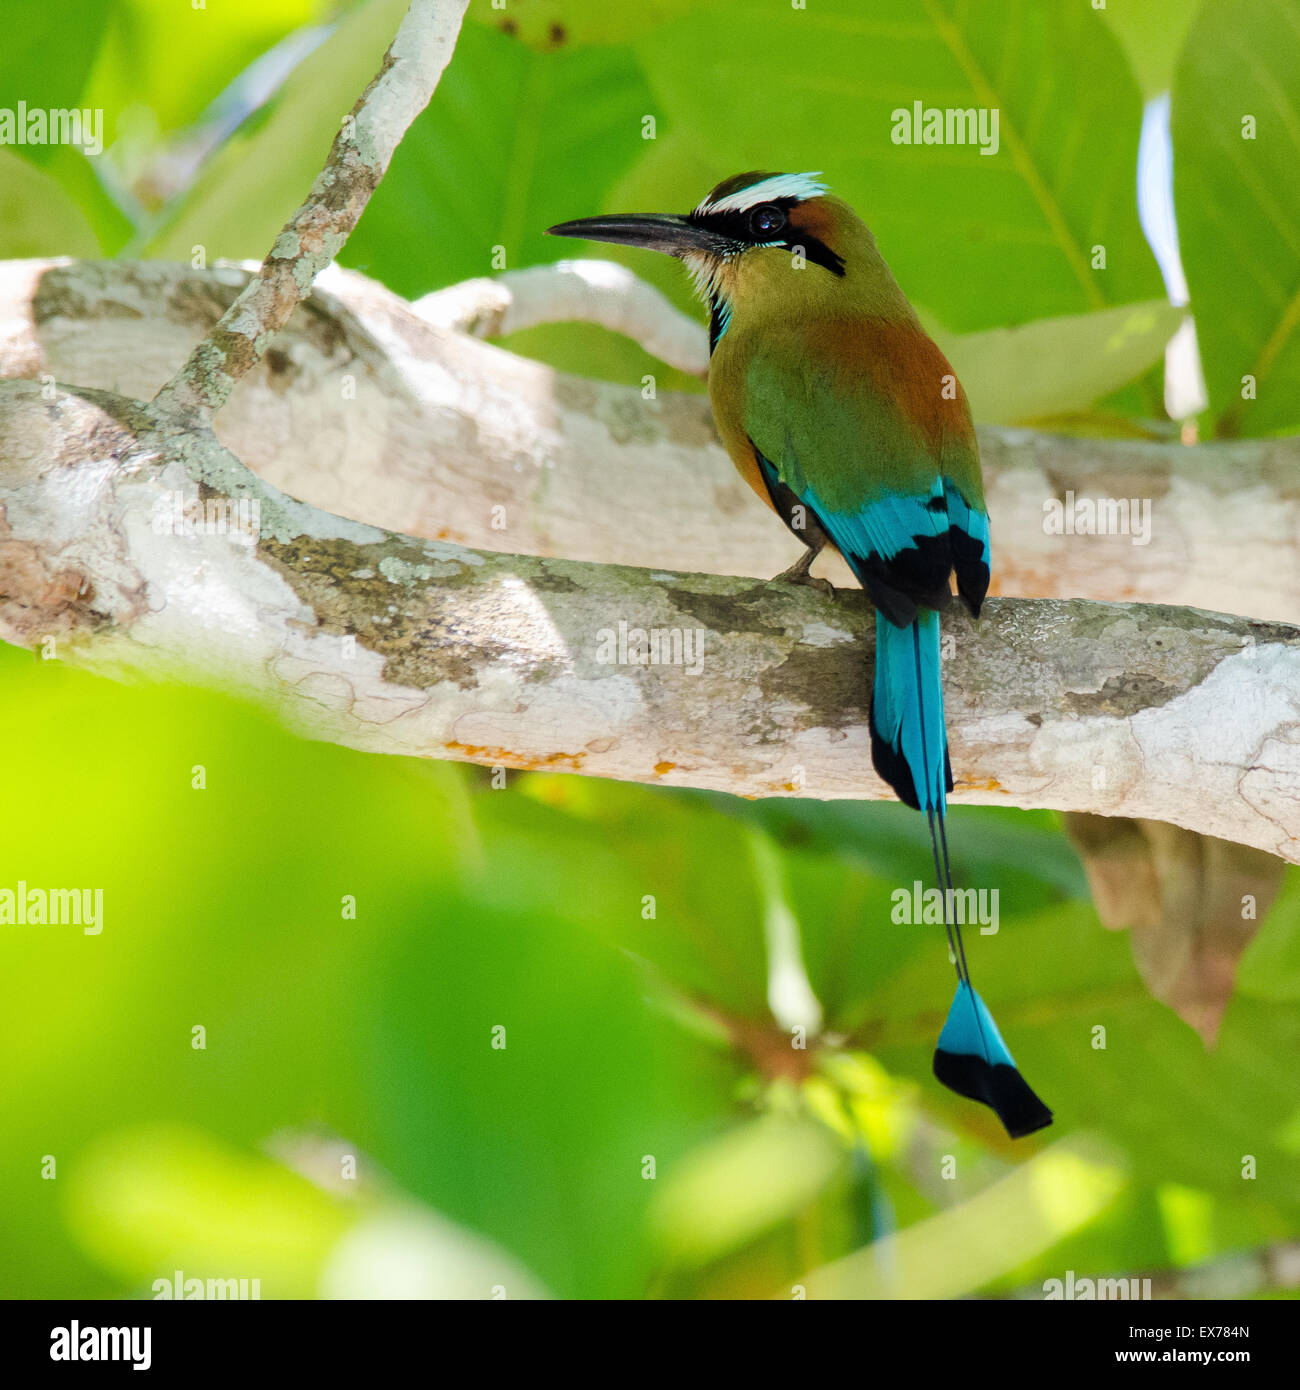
(351, 933)
(628, 1041)
(1236, 132)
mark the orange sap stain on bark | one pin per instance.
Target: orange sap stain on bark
(550, 762)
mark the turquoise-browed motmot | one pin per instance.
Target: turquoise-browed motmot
(848, 421)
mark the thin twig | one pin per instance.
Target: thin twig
(315, 234)
(572, 291)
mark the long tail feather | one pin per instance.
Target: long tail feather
(909, 747)
(908, 744)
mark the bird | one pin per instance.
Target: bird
(845, 418)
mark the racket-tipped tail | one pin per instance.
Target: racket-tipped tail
(972, 1060)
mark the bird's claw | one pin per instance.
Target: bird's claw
(798, 574)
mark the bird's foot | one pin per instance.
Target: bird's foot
(798, 574)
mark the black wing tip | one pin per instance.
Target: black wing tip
(999, 1086)
(915, 576)
(972, 572)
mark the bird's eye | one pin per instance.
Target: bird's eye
(766, 221)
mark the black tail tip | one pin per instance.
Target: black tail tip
(892, 769)
(999, 1086)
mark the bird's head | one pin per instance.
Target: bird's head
(759, 241)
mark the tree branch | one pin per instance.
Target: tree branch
(392, 644)
(365, 409)
(600, 292)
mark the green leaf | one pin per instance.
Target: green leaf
(46, 61)
(514, 141)
(984, 240)
(37, 217)
(1270, 968)
(958, 1251)
(155, 107)
(234, 920)
(1051, 366)
(645, 882)
(522, 1083)
(1238, 205)
(150, 1200)
(733, 1188)
(1020, 848)
(47, 55)
(1152, 32)
(260, 176)
(80, 178)
(137, 66)
(552, 24)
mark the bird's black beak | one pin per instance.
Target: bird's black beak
(674, 236)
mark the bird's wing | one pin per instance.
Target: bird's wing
(866, 424)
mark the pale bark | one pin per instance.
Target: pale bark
(364, 408)
(393, 644)
(601, 292)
